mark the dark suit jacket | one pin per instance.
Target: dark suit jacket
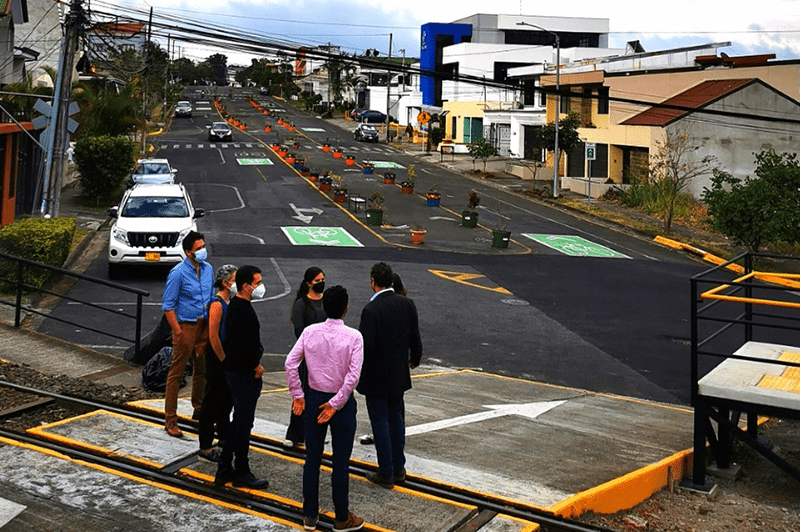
(390, 327)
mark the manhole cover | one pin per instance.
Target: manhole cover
(515, 302)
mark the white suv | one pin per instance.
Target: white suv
(151, 223)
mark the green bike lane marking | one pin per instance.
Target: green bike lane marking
(575, 246)
(253, 162)
(320, 236)
(385, 164)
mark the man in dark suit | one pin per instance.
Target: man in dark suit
(392, 345)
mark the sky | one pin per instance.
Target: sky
(766, 26)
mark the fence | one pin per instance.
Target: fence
(19, 287)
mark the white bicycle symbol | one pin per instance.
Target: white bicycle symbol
(319, 235)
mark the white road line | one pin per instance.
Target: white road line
(238, 195)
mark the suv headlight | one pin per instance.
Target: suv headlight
(182, 235)
(120, 235)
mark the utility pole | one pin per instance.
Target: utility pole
(388, 86)
(404, 69)
(54, 164)
(146, 76)
(166, 80)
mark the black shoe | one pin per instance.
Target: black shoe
(381, 481)
(214, 455)
(400, 477)
(249, 480)
(224, 475)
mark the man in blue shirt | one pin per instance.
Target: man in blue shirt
(187, 295)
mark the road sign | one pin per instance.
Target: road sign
(575, 246)
(423, 117)
(591, 151)
(320, 236)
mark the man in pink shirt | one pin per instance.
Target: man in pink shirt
(333, 353)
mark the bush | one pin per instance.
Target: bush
(104, 163)
(42, 240)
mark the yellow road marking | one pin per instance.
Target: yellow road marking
(464, 278)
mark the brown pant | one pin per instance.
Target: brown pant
(192, 344)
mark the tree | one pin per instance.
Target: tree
(568, 138)
(219, 66)
(481, 149)
(105, 111)
(766, 208)
(673, 167)
(103, 164)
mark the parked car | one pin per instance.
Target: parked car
(375, 117)
(220, 131)
(150, 223)
(153, 172)
(366, 132)
(183, 108)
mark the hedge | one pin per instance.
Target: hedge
(39, 239)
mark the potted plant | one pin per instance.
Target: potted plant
(375, 208)
(433, 198)
(295, 144)
(407, 185)
(339, 188)
(313, 176)
(388, 178)
(326, 147)
(368, 167)
(337, 153)
(282, 151)
(267, 128)
(289, 158)
(500, 233)
(325, 182)
(469, 218)
(299, 163)
(350, 160)
(418, 234)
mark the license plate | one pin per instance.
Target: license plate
(152, 256)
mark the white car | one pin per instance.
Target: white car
(153, 172)
(151, 223)
(183, 108)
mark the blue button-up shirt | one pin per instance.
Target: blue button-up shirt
(188, 293)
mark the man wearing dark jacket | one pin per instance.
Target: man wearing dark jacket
(243, 372)
(392, 345)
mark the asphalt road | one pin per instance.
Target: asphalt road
(617, 325)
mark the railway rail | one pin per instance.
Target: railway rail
(487, 505)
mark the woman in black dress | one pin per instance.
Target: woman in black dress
(306, 310)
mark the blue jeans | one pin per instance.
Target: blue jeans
(387, 417)
(245, 391)
(343, 430)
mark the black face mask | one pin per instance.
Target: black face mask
(319, 287)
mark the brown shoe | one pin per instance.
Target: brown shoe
(353, 523)
(173, 430)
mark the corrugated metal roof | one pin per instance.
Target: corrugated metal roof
(694, 98)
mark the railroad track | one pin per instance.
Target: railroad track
(487, 505)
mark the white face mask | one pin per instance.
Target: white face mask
(259, 292)
(233, 289)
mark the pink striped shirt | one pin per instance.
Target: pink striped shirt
(333, 353)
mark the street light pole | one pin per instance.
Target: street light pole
(558, 101)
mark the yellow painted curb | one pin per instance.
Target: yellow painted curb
(627, 491)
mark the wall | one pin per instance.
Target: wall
(733, 141)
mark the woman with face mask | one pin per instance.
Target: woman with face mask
(306, 310)
(217, 402)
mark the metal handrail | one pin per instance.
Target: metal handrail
(20, 286)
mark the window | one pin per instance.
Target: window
(602, 101)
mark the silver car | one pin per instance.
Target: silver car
(183, 109)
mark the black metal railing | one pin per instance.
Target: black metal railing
(20, 287)
(734, 303)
